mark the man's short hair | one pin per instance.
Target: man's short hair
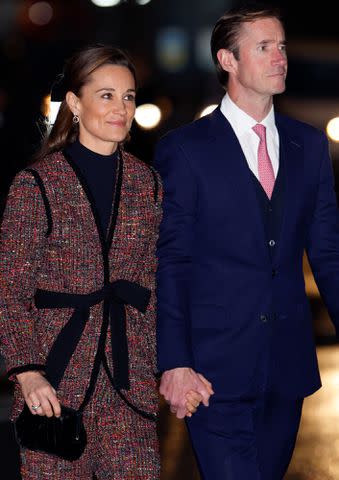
(226, 31)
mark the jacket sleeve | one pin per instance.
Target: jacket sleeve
(22, 239)
(323, 241)
(174, 256)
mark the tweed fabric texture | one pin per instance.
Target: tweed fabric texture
(70, 260)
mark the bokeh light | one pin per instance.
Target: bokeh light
(53, 111)
(46, 105)
(207, 110)
(172, 49)
(148, 116)
(40, 13)
(106, 3)
(50, 109)
(202, 50)
(332, 129)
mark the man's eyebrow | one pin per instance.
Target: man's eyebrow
(265, 42)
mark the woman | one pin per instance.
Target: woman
(77, 263)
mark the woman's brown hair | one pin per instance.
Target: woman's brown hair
(76, 74)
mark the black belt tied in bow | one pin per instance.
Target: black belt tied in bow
(115, 296)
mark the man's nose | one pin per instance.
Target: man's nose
(279, 57)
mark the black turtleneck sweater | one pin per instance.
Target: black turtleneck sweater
(99, 173)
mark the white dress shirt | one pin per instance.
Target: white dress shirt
(249, 141)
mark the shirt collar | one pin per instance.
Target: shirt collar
(240, 120)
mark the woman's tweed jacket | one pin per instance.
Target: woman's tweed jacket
(57, 247)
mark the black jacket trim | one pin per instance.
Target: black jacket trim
(44, 198)
(25, 368)
(81, 178)
(106, 242)
(156, 183)
(115, 210)
(148, 416)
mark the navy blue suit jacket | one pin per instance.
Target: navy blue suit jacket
(226, 306)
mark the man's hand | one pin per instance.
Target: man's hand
(176, 383)
(39, 393)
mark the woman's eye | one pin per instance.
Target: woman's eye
(130, 97)
(107, 95)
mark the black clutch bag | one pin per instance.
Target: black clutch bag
(64, 436)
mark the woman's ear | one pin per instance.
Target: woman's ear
(73, 102)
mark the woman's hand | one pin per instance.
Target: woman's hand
(193, 400)
(39, 393)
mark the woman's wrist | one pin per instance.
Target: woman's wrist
(30, 373)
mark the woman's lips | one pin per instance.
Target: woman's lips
(117, 123)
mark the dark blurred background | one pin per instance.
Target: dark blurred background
(169, 43)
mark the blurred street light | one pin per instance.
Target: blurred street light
(332, 129)
(106, 3)
(40, 13)
(207, 110)
(53, 112)
(50, 109)
(148, 116)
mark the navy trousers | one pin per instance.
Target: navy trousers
(247, 439)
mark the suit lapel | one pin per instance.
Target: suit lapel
(228, 154)
(291, 157)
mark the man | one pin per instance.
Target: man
(246, 192)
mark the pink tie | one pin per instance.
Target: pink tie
(265, 169)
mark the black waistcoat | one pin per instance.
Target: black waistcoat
(272, 210)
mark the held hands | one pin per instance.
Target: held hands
(184, 389)
(193, 400)
(39, 393)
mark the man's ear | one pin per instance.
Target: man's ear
(226, 60)
(73, 102)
